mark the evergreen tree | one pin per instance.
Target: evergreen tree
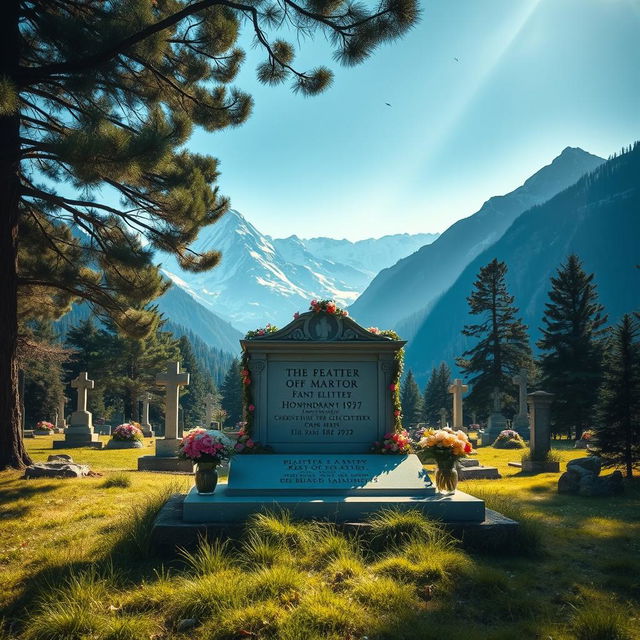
(232, 391)
(618, 427)
(503, 344)
(411, 400)
(42, 374)
(100, 94)
(436, 394)
(200, 385)
(571, 366)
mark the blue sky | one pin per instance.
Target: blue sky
(533, 77)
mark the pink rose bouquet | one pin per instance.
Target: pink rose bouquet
(43, 425)
(127, 432)
(329, 306)
(397, 443)
(202, 445)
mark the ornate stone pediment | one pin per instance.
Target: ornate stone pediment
(320, 326)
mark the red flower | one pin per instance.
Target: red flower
(251, 408)
(393, 387)
(331, 307)
(467, 447)
(244, 372)
(247, 380)
(396, 413)
(296, 315)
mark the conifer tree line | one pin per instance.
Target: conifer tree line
(102, 97)
(123, 369)
(593, 371)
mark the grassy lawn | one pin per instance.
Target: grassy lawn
(74, 564)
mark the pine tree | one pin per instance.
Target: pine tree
(411, 400)
(618, 427)
(42, 374)
(503, 344)
(571, 331)
(232, 391)
(200, 385)
(436, 394)
(104, 95)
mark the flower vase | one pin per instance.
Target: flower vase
(206, 478)
(446, 477)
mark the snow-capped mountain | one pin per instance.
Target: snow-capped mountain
(260, 279)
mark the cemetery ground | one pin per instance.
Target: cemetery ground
(75, 564)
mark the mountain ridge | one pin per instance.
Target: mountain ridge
(414, 282)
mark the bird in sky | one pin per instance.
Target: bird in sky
(456, 59)
(388, 105)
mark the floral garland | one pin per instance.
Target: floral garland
(328, 306)
(394, 386)
(43, 425)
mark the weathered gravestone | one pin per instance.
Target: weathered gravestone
(540, 436)
(321, 392)
(497, 422)
(521, 419)
(145, 425)
(61, 423)
(166, 458)
(209, 408)
(79, 432)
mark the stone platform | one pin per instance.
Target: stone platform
(73, 442)
(171, 532)
(331, 487)
(164, 463)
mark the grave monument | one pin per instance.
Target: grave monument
(166, 458)
(209, 408)
(521, 420)
(79, 432)
(322, 390)
(540, 441)
(61, 423)
(497, 422)
(145, 425)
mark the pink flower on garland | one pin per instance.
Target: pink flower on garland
(296, 315)
(396, 413)
(393, 387)
(251, 408)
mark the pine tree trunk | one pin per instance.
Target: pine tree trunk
(12, 451)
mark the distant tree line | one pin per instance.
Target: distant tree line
(593, 371)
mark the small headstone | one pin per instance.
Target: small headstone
(79, 432)
(60, 421)
(521, 420)
(443, 417)
(497, 422)
(145, 425)
(209, 408)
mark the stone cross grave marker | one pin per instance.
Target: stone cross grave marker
(521, 420)
(79, 432)
(172, 379)
(457, 389)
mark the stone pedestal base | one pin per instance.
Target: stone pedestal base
(471, 469)
(530, 466)
(28, 433)
(124, 444)
(77, 440)
(148, 433)
(167, 447)
(164, 463)
(222, 507)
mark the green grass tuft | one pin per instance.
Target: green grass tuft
(63, 621)
(279, 528)
(280, 581)
(119, 480)
(209, 557)
(254, 620)
(600, 621)
(393, 528)
(256, 551)
(384, 594)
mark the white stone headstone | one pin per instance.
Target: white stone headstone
(172, 379)
(81, 417)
